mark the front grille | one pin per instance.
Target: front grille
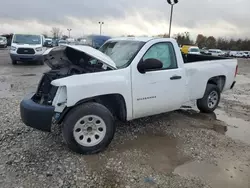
(25, 51)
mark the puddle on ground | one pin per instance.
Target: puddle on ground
(158, 152)
(161, 151)
(225, 174)
(238, 129)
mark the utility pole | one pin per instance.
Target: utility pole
(69, 31)
(172, 3)
(101, 23)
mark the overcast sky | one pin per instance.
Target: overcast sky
(123, 17)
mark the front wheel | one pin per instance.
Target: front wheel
(210, 100)
(88, 128)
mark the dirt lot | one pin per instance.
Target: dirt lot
(178, 149)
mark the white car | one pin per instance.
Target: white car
(246, 54)
(129, 78)
(215, 52)
(3, 42)
(194, 50)
(62, 42)
(27, 48)
(242, 55)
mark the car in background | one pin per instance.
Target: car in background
(3, 42)
(232, 53)
(62, 42)
(246, 54)
(48, 42)
(188, 49)
(194, 50)
(96, 41)
(216, 52)
(204, 51)
(27, 48)
(242, 55)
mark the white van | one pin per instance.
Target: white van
(215, 52)
(27, 48)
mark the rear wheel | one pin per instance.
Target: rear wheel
(210, 100)
(88, 128)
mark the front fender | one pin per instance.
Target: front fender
(80, 87)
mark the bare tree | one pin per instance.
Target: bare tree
(56, 32)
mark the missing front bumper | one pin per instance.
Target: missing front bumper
(36, 115)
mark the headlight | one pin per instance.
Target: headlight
(12, 48)
(39, 49)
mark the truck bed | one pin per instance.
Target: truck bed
(199, 73)
(191, 58)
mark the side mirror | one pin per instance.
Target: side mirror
(149, 64)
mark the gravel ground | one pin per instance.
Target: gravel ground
(144, 153)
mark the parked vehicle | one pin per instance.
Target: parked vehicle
(3, 42)
(232, 53)
(127, 78)
(96, 41)
(27, 48)
(246, 54)
(215, 52)
(185, 49)
(239, 55)
(194, 50)
(62, 42)
(204, 51)
(48, 42)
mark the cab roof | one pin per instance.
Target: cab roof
(141, 39)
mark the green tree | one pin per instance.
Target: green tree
(211, 42)
(183, 38)
(201, 41)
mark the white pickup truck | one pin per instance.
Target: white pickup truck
(126, 79)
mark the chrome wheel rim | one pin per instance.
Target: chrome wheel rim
(212, 100)
(89, 130)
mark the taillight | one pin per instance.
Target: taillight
(236, 71)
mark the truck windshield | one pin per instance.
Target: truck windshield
(122, 52)
(27, 39)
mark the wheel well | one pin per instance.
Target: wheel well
(114, 102)
(219, 81)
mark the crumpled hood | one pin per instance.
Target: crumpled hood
(50, 54)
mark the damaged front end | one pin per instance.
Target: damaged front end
(49, 101)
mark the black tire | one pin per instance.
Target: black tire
(14, 62)
(84, 110)
(202, 104)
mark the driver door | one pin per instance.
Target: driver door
(160, 90)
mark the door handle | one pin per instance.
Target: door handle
(175, 77)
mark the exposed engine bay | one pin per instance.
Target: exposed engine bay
(64, 61)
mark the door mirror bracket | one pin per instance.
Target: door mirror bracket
(149, 65)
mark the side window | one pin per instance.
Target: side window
(164, 52)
